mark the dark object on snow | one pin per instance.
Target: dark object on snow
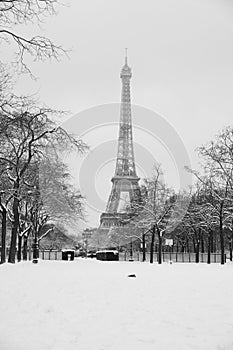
(132, 275)
(68, 254)
(91, 254)
(107, 255)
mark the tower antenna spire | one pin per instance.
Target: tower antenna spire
(126, 55)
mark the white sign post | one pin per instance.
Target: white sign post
(169, 242)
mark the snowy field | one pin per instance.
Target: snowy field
(93, 305)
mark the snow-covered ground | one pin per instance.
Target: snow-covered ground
(93, 305)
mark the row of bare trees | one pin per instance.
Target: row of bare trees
(35, 187)
(34, 182)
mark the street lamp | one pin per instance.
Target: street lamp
(35, 249)
(143, 245)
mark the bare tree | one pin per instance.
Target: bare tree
(217, 179)
(26, 131)
(14, 13)
(218, 156)
(154, 212)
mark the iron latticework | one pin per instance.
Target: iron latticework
(125, 181)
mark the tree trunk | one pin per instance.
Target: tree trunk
(19, 250)
(194, 245)
(202, 244)
(230, 244)
(221, 237)
(211, 241)
(131, 249)
(25, 247)
(187, 244)
(152, 245)
(14, 230)
(197, 251)
(160, 247)
(143, 247)
(230, 248)
(3, 247)
(215, 243)
(209, 246)
(198, 246)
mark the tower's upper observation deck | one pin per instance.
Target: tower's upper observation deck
(126, 70)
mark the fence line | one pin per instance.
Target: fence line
(138, 256)
(50, 254)
(173, 257)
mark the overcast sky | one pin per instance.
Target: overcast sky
(180, 52)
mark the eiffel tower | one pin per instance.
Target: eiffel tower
(125, 180)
